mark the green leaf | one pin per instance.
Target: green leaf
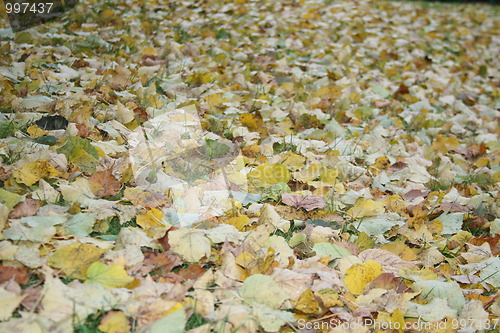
(113, 276)
(324, 249)
(80, 152)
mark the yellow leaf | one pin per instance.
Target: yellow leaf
(308, 304)
(32, 172)
(398, 317)
(269, 174)
(9, 199)
(435, 226)
(113, 276)
(462, 237)
(288, 86)
(328, 297)
(381, 163)
(292, 161)
(412, 274)
(114, 322)
(366, 207)
(239, 221)
(255, 265)
(364, 241)
(482, 162)
(244, 259)
(34, 131)
(443, 144)
(329, 177)
(359, 275)
(215, 100)
(400, 249)
(74, 259)
(152, 101)
(395, 204)
(152, 218)
(177, 306)
(150, 51)
(308, 174)
(253, 121)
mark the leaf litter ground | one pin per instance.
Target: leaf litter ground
(251, 166)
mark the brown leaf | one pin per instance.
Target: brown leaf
(475, 222)
(388, 281)
(83, 130)
(161, 263)
(144, 198)
(170, 278)
(307, 202)
(28, 207)
(389, 261)
(32, 294)
(402, 90)
(80, 63)
(192, 272)
(20, 275)
(103, 183)
(397, 166)
(455, 207)
(164, 240)
(350, 246)
(493, 241)
(412, 194)
(4, 175)
(152, 60)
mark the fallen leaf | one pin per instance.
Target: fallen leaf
(359, 275)
(20, 275)
(263, 289)
(307, 202)
(192, 272)
(31, 173)
(268, 174)
(103, 183)
(10, 301)
(144, 198)
(271, 320)
(151, 218)
(113, 276)
(74, 259)
(390, 262)
(114, 322)
(28, 207)
(191, 245)
(366, 207)
(333, 250)
(308, 304)
(239, 222)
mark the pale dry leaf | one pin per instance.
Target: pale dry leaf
(307, 202)
(390, 262)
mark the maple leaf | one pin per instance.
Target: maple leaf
(104, 183)
(307, 202)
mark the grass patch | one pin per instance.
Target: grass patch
(195, 321)
(90, 325)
